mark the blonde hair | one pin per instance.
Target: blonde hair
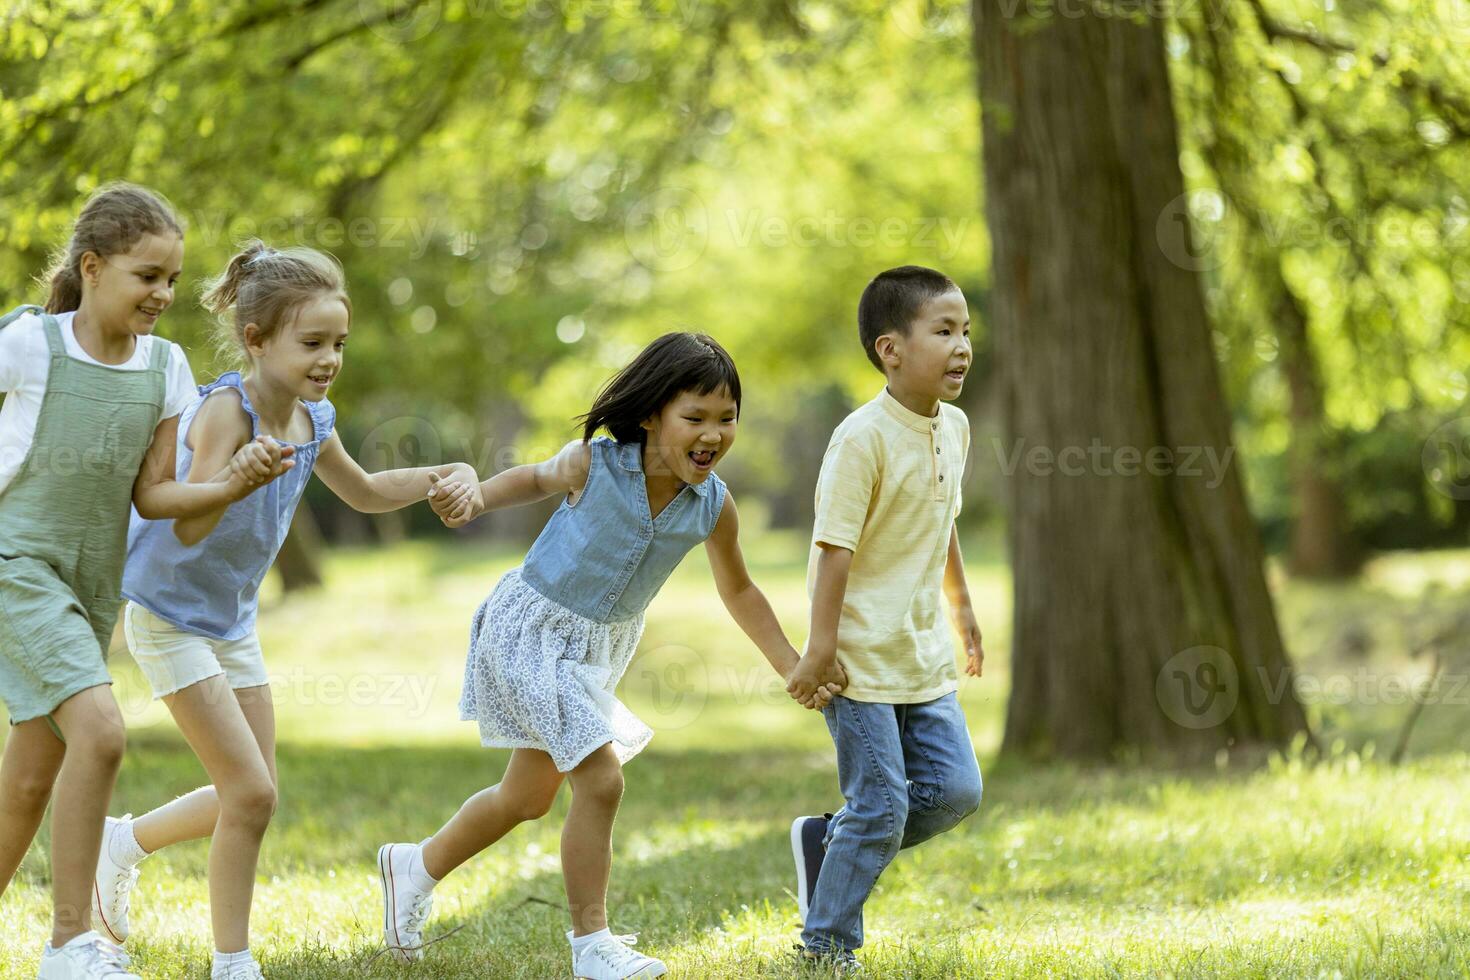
(268, 288)
(114, 219)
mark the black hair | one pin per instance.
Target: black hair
(892, 300)
(672, 364)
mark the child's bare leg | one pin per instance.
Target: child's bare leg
(586, 840)
(194, 815)
(95, 739)
(525, 792)
(33, 757)
(215, 725)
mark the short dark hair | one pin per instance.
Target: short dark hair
(672, 364)
(893, 299)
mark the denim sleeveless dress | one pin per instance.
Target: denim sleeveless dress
(550, 644)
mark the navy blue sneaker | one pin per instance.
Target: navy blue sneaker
(807, 848)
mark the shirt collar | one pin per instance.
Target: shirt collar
(630, 458)
(910, 419)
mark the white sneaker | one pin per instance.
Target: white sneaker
(242, 971)
(614, 959)
(405, 906)
(87, 957)
(112, 887)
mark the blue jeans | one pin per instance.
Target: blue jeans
(908, 772)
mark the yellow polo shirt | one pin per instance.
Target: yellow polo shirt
(890, 492)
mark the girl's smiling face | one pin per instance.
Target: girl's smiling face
(128, 292)
(690, 434)
(305, 355)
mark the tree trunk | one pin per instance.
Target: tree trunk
(1142, 618)
(1321, 544)
(298, 563)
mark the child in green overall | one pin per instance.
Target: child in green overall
(86, 430)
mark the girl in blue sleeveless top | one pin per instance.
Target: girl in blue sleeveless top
(193, 584)
(548, 647)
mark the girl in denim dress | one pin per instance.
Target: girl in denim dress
(550, 644)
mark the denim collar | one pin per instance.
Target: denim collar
(630, 457)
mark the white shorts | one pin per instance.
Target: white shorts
(173, 659)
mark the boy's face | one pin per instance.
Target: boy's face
(935, 356)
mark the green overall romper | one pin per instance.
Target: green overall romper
(64, 525)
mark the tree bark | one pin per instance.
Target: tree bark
(1321, 544)
(1142, 619)
(298, 562)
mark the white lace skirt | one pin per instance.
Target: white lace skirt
(540, 676)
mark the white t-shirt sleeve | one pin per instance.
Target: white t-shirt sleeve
(24, 359)
(181, 390)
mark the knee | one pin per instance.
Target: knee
(602, 786)
(533, 806)
(103, 743)
(29, 792)
(964, 797)
(251, 804)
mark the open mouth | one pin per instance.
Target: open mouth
(703, 459)
(150, 312)
(958, 374)
(322, 381)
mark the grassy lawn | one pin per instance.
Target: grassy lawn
(1349, 867)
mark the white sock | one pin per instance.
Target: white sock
(223, 962)
(580, 943)
(123, 846)
(83, 939)
(418, 874)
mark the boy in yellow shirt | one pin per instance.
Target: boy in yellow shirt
(883, 548)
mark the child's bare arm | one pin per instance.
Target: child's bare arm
(564, 473)
(386, 490)
(747, 604)
(962, 615)
(820, 665)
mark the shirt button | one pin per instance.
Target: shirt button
(612, 597)
(934, 426)
(936, 450)
(941, 478)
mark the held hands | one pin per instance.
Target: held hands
(457, 501)
(258, 462)
(968, 628)
(813, 684)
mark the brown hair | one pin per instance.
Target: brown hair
(112, 221)
(267, 287)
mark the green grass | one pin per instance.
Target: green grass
(1345, 867)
